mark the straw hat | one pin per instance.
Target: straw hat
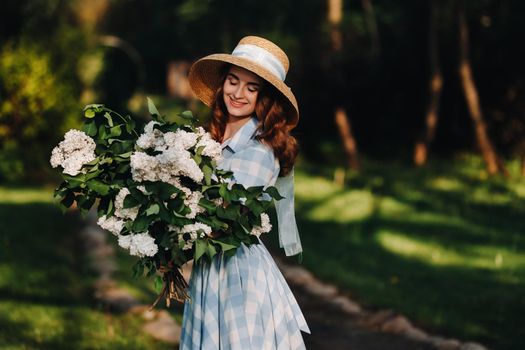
(258, 55)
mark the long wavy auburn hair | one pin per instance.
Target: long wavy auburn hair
(272, 112)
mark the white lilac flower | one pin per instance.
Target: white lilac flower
(142, 244)
(190, 233)
(192, 201)
(188, 243)
(143, 189)
(212, 148)
(73, 152)
(200, 131)
(180, 139)
(112, 224)
(175, 162)
(124, 241)
(198, 227)
(151, 138)
(120, 211)
(265, 226)
(144, 167)
(189, 168)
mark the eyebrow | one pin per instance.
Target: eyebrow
(250, 82)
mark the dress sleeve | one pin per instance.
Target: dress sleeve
(255, 166)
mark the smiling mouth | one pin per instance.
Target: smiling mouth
(236, 104)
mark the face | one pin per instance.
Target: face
(240, 90)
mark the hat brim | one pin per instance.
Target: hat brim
(205, 78)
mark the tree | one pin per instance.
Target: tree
(335, 15)
(493, 163)
(434, 89)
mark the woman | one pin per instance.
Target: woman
(243, 302)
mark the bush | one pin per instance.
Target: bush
(36, 107)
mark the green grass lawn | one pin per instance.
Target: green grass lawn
(45, 296)
(442, 244)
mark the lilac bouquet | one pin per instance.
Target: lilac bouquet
(159, 192)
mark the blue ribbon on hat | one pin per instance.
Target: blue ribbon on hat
(288, 233)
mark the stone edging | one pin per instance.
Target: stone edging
(385, 320)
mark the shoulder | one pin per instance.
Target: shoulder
(257, 151)
(256, 161)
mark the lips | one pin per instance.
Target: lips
(236, 104)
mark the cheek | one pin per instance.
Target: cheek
(226, 89)
(253, 100)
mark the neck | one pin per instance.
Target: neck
(233, 125)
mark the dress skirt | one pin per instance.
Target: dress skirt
(241, 302)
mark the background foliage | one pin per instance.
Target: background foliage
(59, 42)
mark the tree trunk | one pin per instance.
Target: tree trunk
(370, 20)
(434, 88)
(335, 14)
(472, 97)
(345, 131)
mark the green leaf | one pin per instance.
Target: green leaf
(89, 113)
(130, 202)
(86, 202)
(224, 192)
(272, 191)
(224, 246)
(138, 269)
(115, 131)
(102, 134)
(98, 186)
(109, 119)
(198, 159)
(153, 209)
(208, 205)
(158, 284)
(231, 212)
(141, 223)
(211, 251)
(256, 207)
(124, 155)
(163, 190)
(96, 106)
(90, 128)
(207, 170)
(74, 181)
(187, 115)
(200, 248)
(139, 196)
(130, 126)
(153, 110)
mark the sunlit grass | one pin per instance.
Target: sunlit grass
(433, 253)
(26, 195)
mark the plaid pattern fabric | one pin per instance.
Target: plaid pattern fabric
(252, 163)
(243, 302)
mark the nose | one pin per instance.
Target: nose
(238, 92)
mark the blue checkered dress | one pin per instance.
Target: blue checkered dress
(243, 302)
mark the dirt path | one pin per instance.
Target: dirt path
(334, 329)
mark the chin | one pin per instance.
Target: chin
(239, 113)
